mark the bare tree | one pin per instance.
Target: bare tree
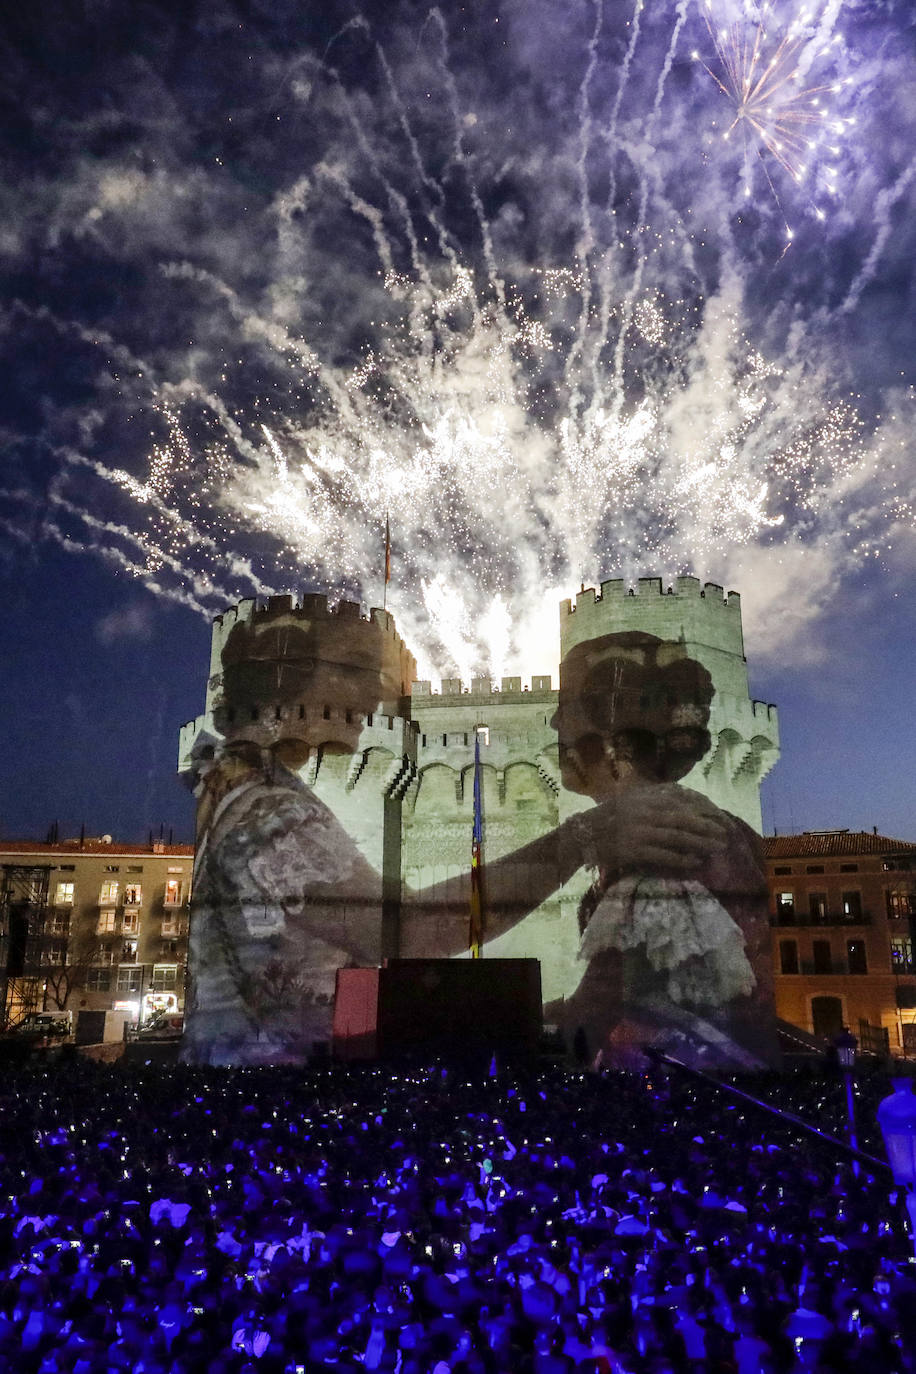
(64, 970)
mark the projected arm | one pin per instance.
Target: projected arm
(648, 828)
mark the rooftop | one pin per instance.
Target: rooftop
(824, 843)
(94, 846)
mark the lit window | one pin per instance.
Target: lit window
(65, 893)
(130, 921)
(172, 869)
(901, 954)
(109, 893)
(173, 892)
(852, 906)
(899, 905)
(112, 868)
(132, 894)
(785, 906)
(129, 952)
(106, 925)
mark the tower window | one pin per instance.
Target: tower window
(483, 734)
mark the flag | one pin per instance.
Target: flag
(475, 931)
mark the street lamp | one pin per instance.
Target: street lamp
(846, 1045)
(897, 1119)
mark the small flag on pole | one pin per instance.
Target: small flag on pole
(475, 931)
(387, 561)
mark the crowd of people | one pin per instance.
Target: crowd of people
(423, 1221)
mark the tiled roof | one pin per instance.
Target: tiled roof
(10, 848)
(819, 844)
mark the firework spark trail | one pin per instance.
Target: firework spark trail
(610, 140)
(201, 584)
(587, 237)
(133, 366)
(496, 282)
(427, 182)
(108, 554)
(179, 527)
(822, 35)
(610, 134)
(370, 213)
(626, 313)
(886, 199)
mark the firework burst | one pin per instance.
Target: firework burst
(781, 116)
(525, 419)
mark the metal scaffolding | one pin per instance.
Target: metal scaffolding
(23, 928)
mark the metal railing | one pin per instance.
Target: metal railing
(829, 918)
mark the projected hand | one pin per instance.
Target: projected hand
(652, 828)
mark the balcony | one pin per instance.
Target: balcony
(830, 918)
(816, 969)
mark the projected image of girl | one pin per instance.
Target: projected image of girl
(675, 944)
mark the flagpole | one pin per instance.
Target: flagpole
(475, 925)
(387, 563)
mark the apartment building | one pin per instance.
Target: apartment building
(843, 910)
(93, 925)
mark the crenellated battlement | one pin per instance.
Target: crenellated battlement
(510, 688)
(683, 586)
(311, 606)
(699, 616)
(283, 628)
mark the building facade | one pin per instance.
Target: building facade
(93, 925)
(336, 802)
(842, 915)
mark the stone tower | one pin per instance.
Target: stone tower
(299, 764)
(745, 733)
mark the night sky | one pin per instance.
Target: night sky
(272, 270)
